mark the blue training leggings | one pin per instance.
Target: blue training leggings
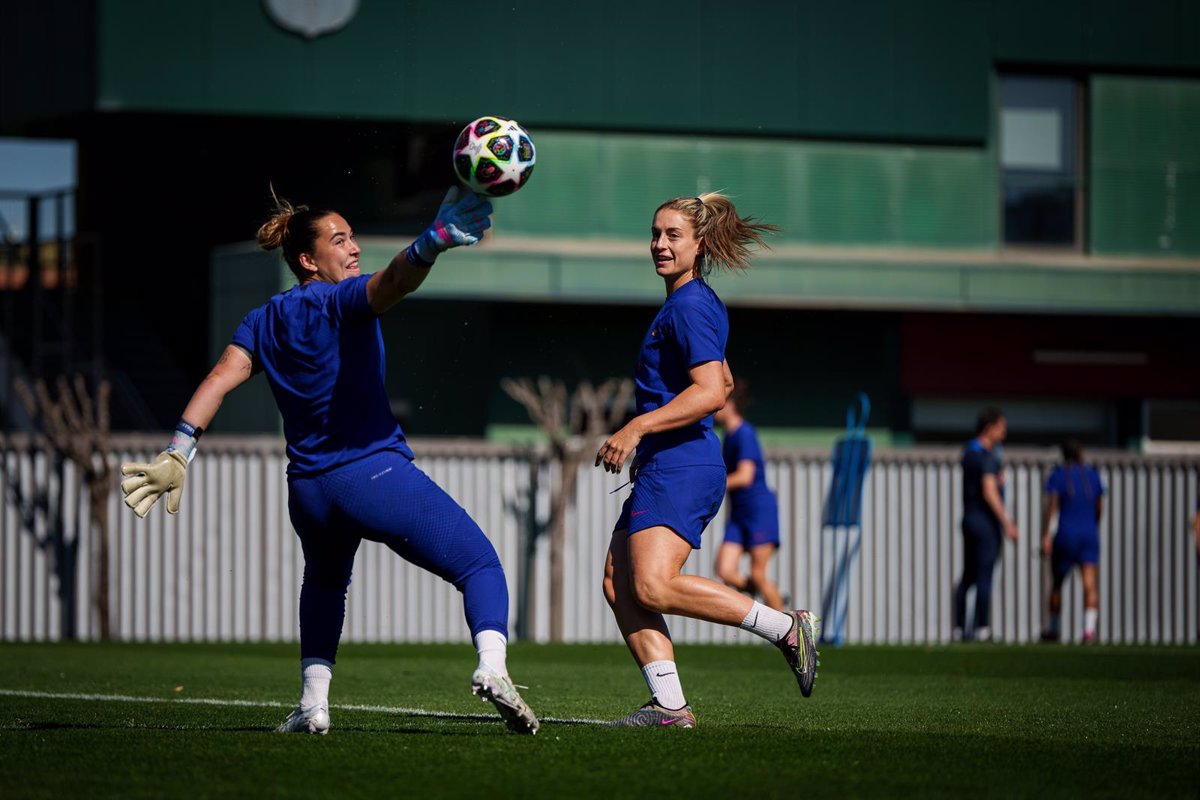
(981, 546)
(386, 498)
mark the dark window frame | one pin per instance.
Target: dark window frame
(1080, 141)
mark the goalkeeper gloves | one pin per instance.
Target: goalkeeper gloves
(458, 222)
(145, 483)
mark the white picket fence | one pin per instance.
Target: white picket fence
(228, 567)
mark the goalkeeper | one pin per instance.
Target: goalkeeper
(350, 471)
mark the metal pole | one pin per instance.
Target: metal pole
(35, 278)
(65, 284)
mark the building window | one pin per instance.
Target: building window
(1040, 161)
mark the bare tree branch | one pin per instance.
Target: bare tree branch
(590, 414)
(78, 430)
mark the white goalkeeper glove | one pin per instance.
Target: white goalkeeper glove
(148, 482)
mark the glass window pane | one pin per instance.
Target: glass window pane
(1039, 160)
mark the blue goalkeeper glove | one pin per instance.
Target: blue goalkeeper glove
(458, 222)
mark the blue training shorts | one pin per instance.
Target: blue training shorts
(1072, 549)
(757, 527)
(684, 499)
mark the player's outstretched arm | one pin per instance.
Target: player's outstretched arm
(459, 221)
(144, 484)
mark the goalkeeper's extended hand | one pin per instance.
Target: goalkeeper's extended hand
(458, 222)
(148, 482)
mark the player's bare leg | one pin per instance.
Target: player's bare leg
(729, 568)
(1091, 600)
(1053, 631)
(760, 583)
(649, 642)
(643, 581)
(656, 559)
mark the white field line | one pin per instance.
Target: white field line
(212, 701)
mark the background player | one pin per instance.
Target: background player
(752, 524)
(1075, 493)
(985, 523)
(350, 471)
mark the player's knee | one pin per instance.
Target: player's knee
(650, 593)
(727, 574)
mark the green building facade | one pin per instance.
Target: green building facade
(979, 201)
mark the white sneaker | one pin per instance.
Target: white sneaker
(499, 689)
(314, 719)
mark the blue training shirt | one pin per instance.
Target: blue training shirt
(1078, 487)
(691, 328)
(742, 445)
(978, 461)
(322, 351)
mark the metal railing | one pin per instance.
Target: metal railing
(228, 567)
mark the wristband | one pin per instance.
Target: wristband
(185, 427)
(414, 256)
(184, 439)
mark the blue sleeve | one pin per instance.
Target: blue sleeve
(348, 300)
(750, 448)
(991, 464)
(733, 449)
(244, 336)
(701, 330)
(1097, 484)
(1054, 484)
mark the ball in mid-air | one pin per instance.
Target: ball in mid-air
(494, 156)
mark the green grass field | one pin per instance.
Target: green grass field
(977, 720)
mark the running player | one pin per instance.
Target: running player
(1075, 493)
(752, 522)
(985, 523)
(682, 378)
(350, 471)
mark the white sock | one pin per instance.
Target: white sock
(768, 623)
(663, 679)
(983, 634)
(316, 674)
(1089, 620)
(493, 652)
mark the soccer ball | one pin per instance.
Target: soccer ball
(494, 156)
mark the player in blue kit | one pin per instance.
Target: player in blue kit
(681, 379)
(350, 471)
(1075, 493)
(985, 523)
(752, 519)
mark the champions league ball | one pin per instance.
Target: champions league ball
(494, 156)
